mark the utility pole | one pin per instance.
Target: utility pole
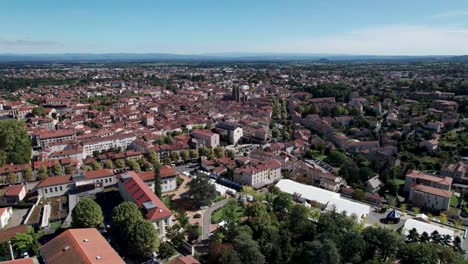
(11, 250)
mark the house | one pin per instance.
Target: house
(458, 171)
(428, 191)
(229, 131)
(15, 193)
(430, 198)
(133, 188)
(206, 138)
(5, 215)
(417, 177)
(258, 175)
(184, 260)
(373, 184)
(168, 178)
(9, 233)
(55, 186)
(84, 245)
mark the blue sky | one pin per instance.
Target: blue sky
(415, 27)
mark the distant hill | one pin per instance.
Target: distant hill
(155, 57)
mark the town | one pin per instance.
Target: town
(226, 162)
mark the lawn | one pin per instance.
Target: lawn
(218, 214)
(316, 154)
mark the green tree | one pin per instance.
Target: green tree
(28, 174)
(134, 166)
(153, 157)
(108, 164)
(359, 195)
(251, 253)
(174, 156)
(42, 171)
(12, 178)
(86, 214)
(57, 169)
(166, 250)
(22, 242)
(219, 152)
(124, 216)
(412, 236)
(96, 165)
(69, 169)
(185, 155)
(380, 242)
(230, 257)
(167, 161)
(39, 111)
(320, 252)
(120, 163)
(336, 158)
(15, 144)
(143, 239)
(202, 191)
(193, 154)
(157, 182)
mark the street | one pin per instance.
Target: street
(206, 227)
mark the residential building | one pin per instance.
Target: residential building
(417, 177)
(258, 175)
(5, 215)
(206, 138)
(133, 188)
(168, 178)
(430, 198)
(104, 143)
(15, 193)
(55, 186)
(44, 138)
(229, 131)
(84, 245)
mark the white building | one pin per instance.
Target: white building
(5, 215)
(104, 143)
(133, 188)
(332, 200)
(168, 178)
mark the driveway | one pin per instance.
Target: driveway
(17, 217)
(182, 188)
(206, 228)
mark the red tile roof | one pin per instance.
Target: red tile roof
(19, 261)
(14, 190)
(85, 245)
(56, 180)
(7, 234)
(419, 175)
(432, 190)
(184, 260)
(141, 194)
(98, 174)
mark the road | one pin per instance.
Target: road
(206, 227)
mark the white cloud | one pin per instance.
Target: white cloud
(384, 40)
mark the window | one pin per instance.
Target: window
(50, 189)
(61, 188)
(45, 190)
(56, 189)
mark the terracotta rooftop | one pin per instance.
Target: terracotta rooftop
(14, 190)
(7, 234)
(56, 180)
(419, 175)
(432, 190)
(142, 194)
(85, 245)
(98, 174)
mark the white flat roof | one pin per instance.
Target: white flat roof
(307, 192)
(422, 227)
(332, 199)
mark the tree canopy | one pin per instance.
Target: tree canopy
(87, 213)
(15, 144)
